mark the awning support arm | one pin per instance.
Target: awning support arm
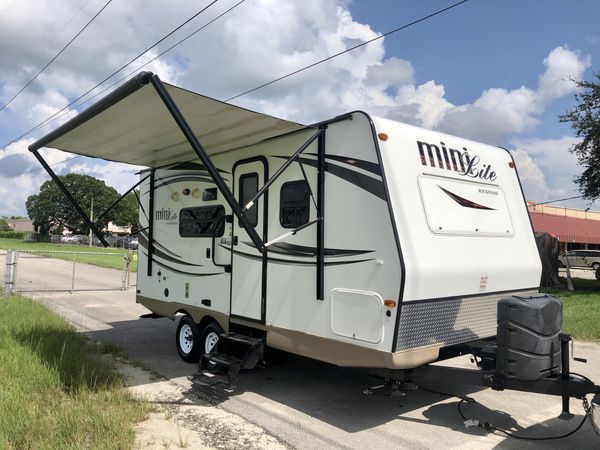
(116, 202)
(201, 153)
(65, 191)
(140, 203)
(285, 165)
(307, 183)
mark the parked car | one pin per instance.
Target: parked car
(127, 242)
(73, 239)
(581, 258)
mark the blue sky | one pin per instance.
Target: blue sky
(489, 70)
(484, 43)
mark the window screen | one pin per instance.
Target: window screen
(202, 221)
(294, 209)
(248, 188)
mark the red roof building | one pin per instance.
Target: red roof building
(575, 229)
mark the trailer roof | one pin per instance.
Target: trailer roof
(132, 125)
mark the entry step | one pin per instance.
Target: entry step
(221, 359)
(211, 379)
(241, 339)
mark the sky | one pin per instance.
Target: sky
(497, 72)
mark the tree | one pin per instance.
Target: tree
(4, 226)
(127, 212)
(585, 120)
(51, 210)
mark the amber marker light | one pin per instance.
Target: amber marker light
(383, 136)
(390, 303)
(511, 164)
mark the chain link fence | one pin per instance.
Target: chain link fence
(56, 271)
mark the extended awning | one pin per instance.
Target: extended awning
(150, 123)
(132, 125)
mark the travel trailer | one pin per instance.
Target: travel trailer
(358, 241)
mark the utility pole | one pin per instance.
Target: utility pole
(91, 220)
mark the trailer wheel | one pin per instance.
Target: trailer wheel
(596, 266)
(187, 339)
(210, 337)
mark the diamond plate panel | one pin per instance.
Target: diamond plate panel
(449, 321)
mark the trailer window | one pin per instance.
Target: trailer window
(209, 194)
(294, 206)
(202, 221)
(248, 188)
(464, 207)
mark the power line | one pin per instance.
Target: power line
(83, 5)
(440, 11)
(55, 117)
(40, 168)
(559, 200)
(56, 56)
(381, 36)
(48, 119)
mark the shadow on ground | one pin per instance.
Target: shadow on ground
(329, 393)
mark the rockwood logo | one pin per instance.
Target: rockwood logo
(165, 214)
(452, 159)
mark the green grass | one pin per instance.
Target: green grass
(110, 261)
(55, 390)
(581, 309)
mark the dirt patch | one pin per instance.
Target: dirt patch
(187, 418)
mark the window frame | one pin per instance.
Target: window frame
(252, 220)
(210, 234)
(281, 190)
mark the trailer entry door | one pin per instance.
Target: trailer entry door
(248, 265)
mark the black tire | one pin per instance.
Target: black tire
(596, 266)
(560, 264)
(209, 338)
(187, 340)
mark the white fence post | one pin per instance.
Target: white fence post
(73, 274)
(9, 274)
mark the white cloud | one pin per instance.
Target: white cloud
(547, 168)
(532, 178)
(562, 67)
(257, 42)
(500, 112)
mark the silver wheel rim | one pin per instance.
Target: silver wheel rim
(210, 342)
(186, 338)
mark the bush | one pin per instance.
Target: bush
(12, 234)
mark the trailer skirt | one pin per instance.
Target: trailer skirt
(450, 321)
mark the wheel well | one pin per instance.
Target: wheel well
(181, 311)
(206, 319)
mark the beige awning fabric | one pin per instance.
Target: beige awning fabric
(138, 129)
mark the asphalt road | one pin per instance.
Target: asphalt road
(308, 404)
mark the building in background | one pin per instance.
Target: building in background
(20, 224)
(574, 228)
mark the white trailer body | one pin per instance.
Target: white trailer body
(376, 244)
(423, 234)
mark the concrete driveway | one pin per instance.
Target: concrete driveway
(307, 404)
